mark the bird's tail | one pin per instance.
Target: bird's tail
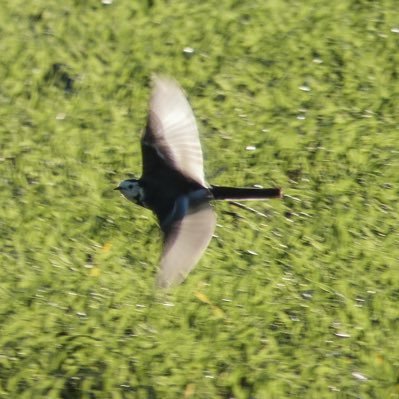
(242, 194)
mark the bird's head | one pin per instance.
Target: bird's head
(131, 189)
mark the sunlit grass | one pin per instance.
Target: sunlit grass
(300, 303)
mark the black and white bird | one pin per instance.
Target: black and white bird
(173, 186)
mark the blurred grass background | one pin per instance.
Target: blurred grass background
(301, 303)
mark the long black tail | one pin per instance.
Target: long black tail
(242, 194)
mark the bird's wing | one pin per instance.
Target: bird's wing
(171, 135)
(185, 242)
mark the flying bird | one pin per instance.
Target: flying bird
(173, 185)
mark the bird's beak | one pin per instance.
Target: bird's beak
(117, 188)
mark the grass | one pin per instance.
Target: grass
(302, 303)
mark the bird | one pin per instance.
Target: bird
(172, 184)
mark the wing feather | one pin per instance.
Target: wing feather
(185, 242)
(172, 131)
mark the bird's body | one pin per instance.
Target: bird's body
(168, 200)
(173, 186)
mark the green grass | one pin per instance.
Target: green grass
(300, 304)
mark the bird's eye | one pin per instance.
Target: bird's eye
(130, 186)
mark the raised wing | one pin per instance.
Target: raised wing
(171, 136)
(185, 242)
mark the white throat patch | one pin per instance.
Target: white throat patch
(132, 191)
